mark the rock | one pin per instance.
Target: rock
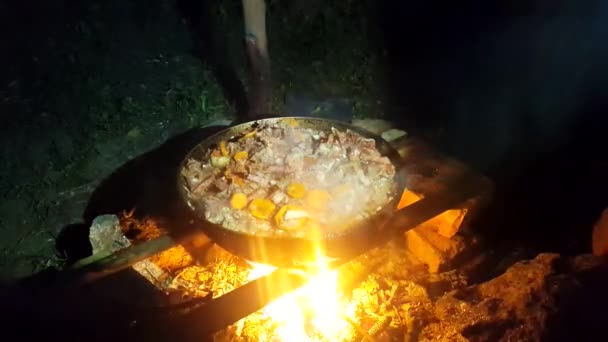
(105, 235)
(432, 249)
(393, 134)
(547, 298)
(599, 236)
(376, 126)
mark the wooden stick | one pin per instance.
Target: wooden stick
(254, 13)
(256, 43)
(96, 267)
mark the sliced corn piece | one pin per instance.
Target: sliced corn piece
(247, 136)
(291, 217)
(261, 208)
(242, 155)
(238, 200)
(223, 148)
(296, 190)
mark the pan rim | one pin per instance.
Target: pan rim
(379, 218)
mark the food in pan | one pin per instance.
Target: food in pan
(283, 179)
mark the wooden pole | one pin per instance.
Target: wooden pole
(256, 42)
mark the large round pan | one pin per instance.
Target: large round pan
(288, 251)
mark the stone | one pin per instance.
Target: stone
(106, 237)
(393, 134)
(376, 126)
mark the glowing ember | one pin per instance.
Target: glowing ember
(314, 312)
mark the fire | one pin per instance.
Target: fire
(315, 310)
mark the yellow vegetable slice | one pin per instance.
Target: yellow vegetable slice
(296, 190)
(261, 208)
(223, 148)
(238, 200)
(317, 199)
(291, 122)
(291, 217)
(247, 136)
(242, 155)
(237, 180)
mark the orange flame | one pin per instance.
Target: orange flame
(313, 310)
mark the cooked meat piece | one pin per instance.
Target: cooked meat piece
(339, 136)
(276, 171)
(215, 210)
(367, 143)
(194, 173)
(265, 156)
(251, 145)
(232, 147)
(259, 179)
(294, 160)
(257, 193)
(278, 196)
(363, 178)
(280, 148)
(221, 184)
(353, 153)
(203, 186)
(239, 167)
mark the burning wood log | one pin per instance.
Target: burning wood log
(434, 243)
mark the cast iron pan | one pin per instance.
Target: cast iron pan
(291, 251)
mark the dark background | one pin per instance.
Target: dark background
(519, 89)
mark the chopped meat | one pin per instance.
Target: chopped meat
(257, 193)
(277, 171)
(278, 196)
(214, 210)
(239, 167)
(202, 186)
(221, 184)
(259, 179)
(334, 169)
(367, 143)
